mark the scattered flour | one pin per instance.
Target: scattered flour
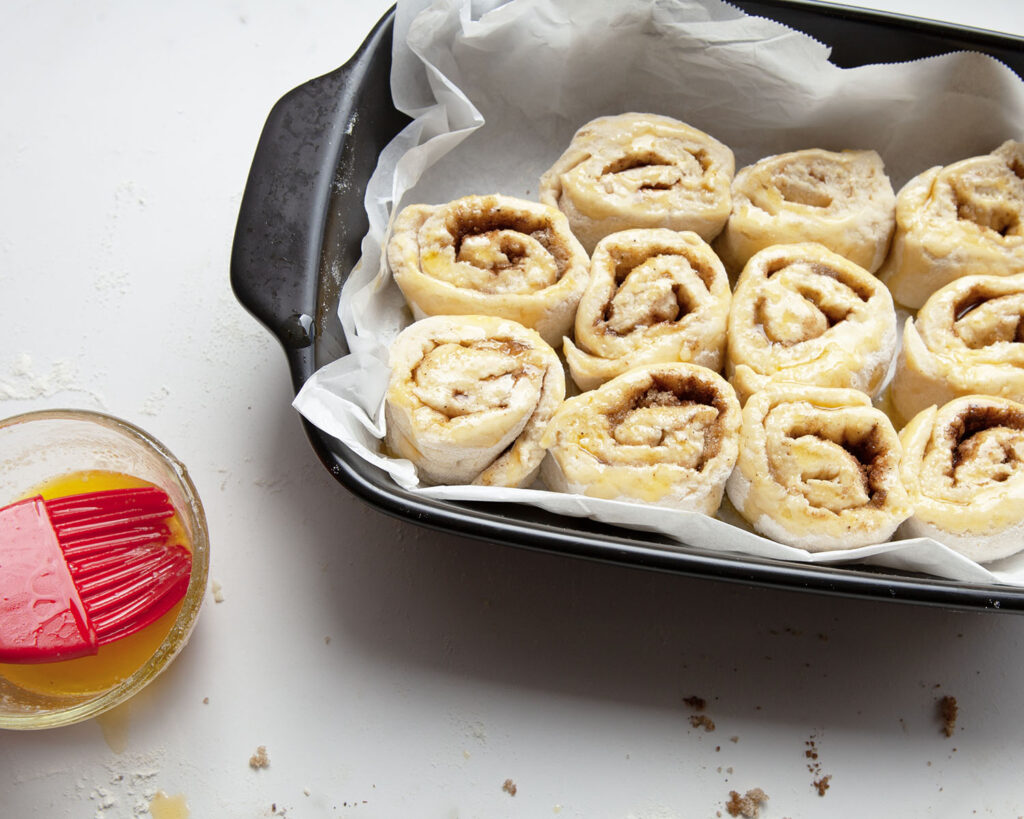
(25, 383)
(128, 789)
(155, 401)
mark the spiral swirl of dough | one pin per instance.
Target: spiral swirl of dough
(641, 171)
(803, 313)
(469, 399)
(664, 434)
(963, 219)
(967, 339)
(490, 255)
(654, 295)
(843, 200)
(818, 468)
(963, 464)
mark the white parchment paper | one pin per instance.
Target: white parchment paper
(496, 91)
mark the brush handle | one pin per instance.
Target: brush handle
(81, 571)
(42, 616)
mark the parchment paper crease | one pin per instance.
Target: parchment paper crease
(496, 91)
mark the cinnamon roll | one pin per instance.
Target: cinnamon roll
(640, 171)
(469, 398)
(664, 434)
(963, 464)
(843, 200)
(655, 295)
(490, 255)
(818, 468)
(959, 220)
(968, 338)
(803, 313)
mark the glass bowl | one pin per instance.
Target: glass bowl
(41, 449)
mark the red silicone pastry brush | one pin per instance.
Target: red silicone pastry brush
(84, 570)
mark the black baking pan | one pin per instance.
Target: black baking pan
(298, 235)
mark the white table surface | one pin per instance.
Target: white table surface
(390, 671)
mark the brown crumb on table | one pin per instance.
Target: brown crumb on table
(260, 759)
(821, 784)
(510, 787)
(948, 711)
(702, 721)
(699, 720)
(748, 805)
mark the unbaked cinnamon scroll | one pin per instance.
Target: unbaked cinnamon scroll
(963, 219)
(641, 171)
(963, 464)
(803, 313)
(654, 295)
(968, 338)
(490, 255)
(841, 199)
(664, 434)
(818, 468)
(469, 398)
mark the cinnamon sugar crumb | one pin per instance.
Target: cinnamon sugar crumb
(260, 759)
(699, 720)
(702, 721)
(948, 712)
(748, 805)
(821, 784)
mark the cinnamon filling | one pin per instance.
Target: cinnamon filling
(861, 290)
(1001, 219)
(987, 443)
(649, 289)
(990, 199)
(498, 239)
(859, 468)
(641, 420)
(803, 192)
(980, 320)
(629, 162)
(461, 378)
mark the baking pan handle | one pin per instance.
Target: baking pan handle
(308, 141)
